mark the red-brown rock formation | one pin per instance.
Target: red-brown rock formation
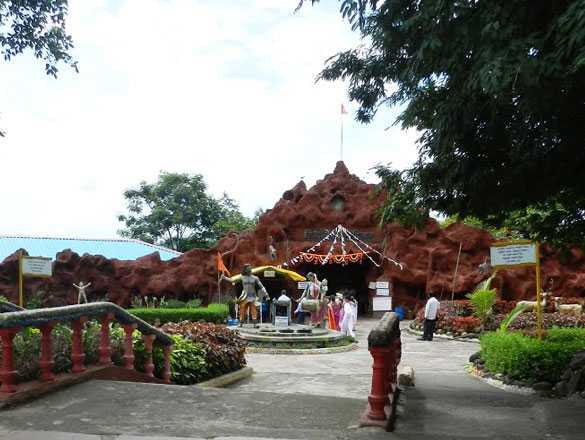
(294, 224)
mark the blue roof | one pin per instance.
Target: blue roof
(120, 248)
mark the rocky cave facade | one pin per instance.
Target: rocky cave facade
(299, 219)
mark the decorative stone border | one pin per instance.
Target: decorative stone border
(441, 336)
(227, 379)
(478, 374)
(328, 350)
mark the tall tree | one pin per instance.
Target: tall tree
(37, 25)
(497, 90)
(177, 212)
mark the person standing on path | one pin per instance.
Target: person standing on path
(348, 321)
(431, 310)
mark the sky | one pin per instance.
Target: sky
(222, 88)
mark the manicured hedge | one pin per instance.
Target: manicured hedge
(216, 313)
(529, 359)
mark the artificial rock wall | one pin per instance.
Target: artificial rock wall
(428, 255)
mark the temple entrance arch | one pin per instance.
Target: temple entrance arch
(352, 277)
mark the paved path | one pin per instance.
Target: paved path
(302, 397)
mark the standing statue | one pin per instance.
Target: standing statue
(252, 292)
(313, 299)
(81, 292)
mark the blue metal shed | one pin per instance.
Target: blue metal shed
(120, 248)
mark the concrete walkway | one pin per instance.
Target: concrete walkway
(302, 397)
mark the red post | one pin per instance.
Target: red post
(378, 396)
(105, 350)
(77, 351)
(7, 371)
(128, 346)
(166, 373)
(148, 364)
(46, 360)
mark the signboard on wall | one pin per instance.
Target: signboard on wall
(302, 285)
(382, 284)
(513, 254)
(372, 285)
(382, 303)
(383, 292)
(37, 267)
(269, 274)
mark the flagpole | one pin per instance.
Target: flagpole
(341, 138)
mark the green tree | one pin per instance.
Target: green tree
(37, 25)
(496, 89)
(177, 212)
(231, 219)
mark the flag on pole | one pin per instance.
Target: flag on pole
(221, 266)
(343, 110)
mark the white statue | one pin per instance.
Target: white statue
(81, 292)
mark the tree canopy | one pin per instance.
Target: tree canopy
(177, 212)
(38, 25)
(497, 90)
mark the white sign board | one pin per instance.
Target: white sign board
(382, 303)
(372, 285)
(383, 292)
(37, 267)
(513, 254)
(269, 274)
(303, 285)
(281, 321)
(382, 284)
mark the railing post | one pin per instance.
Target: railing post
(7, 371)
(166, 373)
(46, 360)
(378, 397)
(128, 346)
(148, 364)
(77, 351)
(105, 350)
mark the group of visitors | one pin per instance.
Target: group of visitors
(342, 314)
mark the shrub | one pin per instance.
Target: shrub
(187, 361)
(224, 349)
(216, 313)
(526, 358)
(483, 301)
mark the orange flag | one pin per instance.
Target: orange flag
(220, 265)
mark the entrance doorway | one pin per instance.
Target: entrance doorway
(352, 278)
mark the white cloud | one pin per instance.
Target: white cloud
(221, 88)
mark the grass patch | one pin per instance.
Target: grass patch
(527, 358)
(216, 313)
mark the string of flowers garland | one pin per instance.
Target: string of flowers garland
(335, 258)
(340, 233)
(350, 234)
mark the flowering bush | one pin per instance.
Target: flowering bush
(466, 324)
(457, 317)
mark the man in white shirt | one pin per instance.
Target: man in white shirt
(431, 311)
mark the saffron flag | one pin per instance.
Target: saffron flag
(221, 266)
(343, 110)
